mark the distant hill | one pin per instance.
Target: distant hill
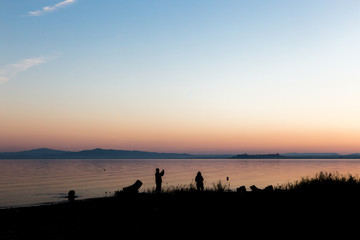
(297, 156)
(353, 155)
(312, 155)
(258, 156)
(98, 153)
(35, 153)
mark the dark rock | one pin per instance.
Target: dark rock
(241, 189)
(71, 195)
(269, 188)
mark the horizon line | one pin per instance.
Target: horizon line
(134, 150)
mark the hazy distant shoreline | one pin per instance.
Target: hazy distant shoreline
(98, 153)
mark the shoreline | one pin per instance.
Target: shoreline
(326, 204)
(211, 212)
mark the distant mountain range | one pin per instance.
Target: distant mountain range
(98, 153)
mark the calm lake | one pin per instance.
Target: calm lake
(32, 182)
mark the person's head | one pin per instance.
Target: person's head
(199, 173)
(157, 169)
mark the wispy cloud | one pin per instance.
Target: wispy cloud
(52, 8)
(10, 71)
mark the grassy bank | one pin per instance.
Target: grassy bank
(327, 200)
(331, 182)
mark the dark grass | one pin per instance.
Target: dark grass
(324, 205)
(332, 182)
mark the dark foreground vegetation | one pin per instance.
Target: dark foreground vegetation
(326, 205)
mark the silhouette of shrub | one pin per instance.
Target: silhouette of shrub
(220, 187)
(324, 182)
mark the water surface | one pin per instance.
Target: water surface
(29, 182)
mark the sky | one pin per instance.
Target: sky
(223, 76)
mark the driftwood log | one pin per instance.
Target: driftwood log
(266, 189)
(255, 189)
(133, 188)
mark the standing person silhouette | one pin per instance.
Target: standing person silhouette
(158, 179)
(199, 182)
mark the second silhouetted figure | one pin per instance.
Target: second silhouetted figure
(199, 182)
(158, 179)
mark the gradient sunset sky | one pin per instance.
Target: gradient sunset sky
(255, 76)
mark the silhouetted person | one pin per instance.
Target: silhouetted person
(158, 179)
(199, 182)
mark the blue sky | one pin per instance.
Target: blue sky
(191, 76)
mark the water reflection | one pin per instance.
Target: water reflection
(36, 181)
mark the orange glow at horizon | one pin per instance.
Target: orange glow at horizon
(176, 137)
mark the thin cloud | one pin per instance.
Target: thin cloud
(52, 8)
(11, 70)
